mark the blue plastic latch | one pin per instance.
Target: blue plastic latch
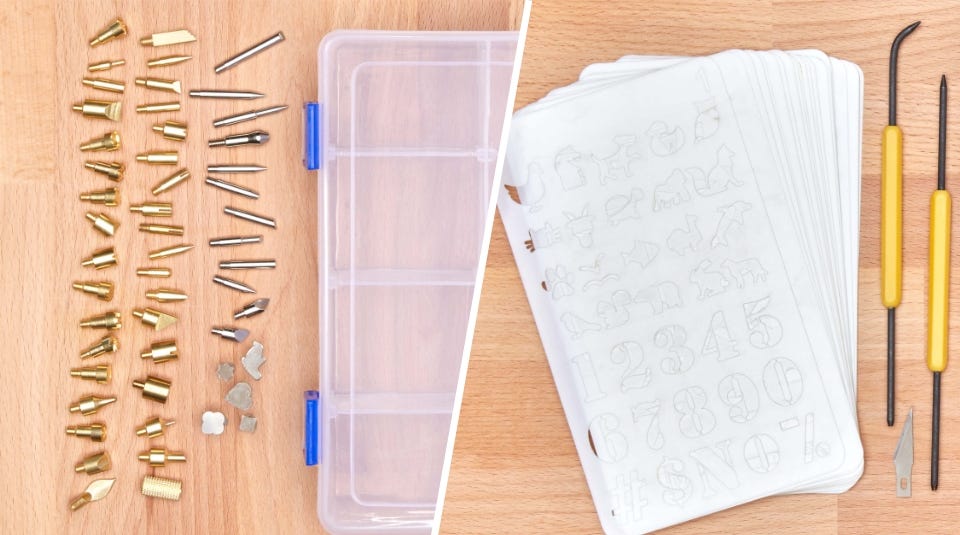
(312, 114)
(311, 428)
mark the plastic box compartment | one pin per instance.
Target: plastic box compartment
(411, 124)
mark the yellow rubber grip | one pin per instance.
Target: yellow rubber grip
(891, 216)
(938, 300)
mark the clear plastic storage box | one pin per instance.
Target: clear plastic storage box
(406, 135)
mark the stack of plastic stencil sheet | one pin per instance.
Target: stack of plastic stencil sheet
(687, 234)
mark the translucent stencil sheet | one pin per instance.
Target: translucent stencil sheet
(686, 231)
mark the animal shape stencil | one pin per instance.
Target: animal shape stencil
(739, 271)
(622, 207)
(671, 192)
(681, 240)
(531, 192)
(710, 281)
(665, 141)
(659, 297)
(730, 215)
(575, 169)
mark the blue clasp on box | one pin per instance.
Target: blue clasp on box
(312, 155)
(311, 428)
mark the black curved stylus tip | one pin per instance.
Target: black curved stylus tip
(894, 51)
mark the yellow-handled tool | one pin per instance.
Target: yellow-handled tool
(938, 284)
(891, 218)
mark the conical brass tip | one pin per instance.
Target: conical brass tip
(94, 464)
(108, 142)
(115, 29)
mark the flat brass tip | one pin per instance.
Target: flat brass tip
(101, 109)
(94, 464)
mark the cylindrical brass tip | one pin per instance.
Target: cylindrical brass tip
(139, 314)
(78, 107)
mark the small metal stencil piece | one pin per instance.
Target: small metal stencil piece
(248, 424)
(240, 396)
(213, 423)
(225, 371)
(253, 360)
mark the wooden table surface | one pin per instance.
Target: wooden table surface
(233, 483)
(514, 466)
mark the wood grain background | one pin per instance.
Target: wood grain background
(514, 466)
(234, 483)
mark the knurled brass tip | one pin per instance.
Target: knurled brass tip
(90, 405)
(172, 130)
(101, 374)
(159, 157)
(94, 464)
(107, 197)
(171, 181)
(101, 259)
(108, 142)
(158, 487)
(112, 170)
(102, 290)
(154, 388)
(107, 344)
(110, 321)
(95, 432)
(100, 109)
(103, 223)
(154, 427)
(161, 351)
(115, 29)
(153, 209)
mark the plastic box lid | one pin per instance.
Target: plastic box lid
(411, 124)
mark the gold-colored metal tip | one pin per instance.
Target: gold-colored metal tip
(101, 259)
(103, 84)
(94, 464)
(112, 170)
(107, 344)
(100, 374)
(154, 427)
(169, 251)
(160, 457)
(166, 295)
(107, 197)
(159, 487)
(161, 351)
(153, 209)
(160, 84)
(96, 490)
(159, 157)
(158, 107)
(90, 405)
(110, 321)
(105, 65)
(160, 273)
(95, 432)
(108, 142)
(153, 228)
(103, 223)
(173, 37)
(154, 388)
(101, 109)
(171, 181)
(172, 130)
(167, 60)
(103, 290)
(154, 318)
(114, 30)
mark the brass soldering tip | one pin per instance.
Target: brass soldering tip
(103, 290)
(103, 223)
(154, 318)
(158, 107)
(161, 351)
(166, 295)
(104, 84)
(154, 388)
(105, 65)
(154, 228)
(171, 181)
(112, 170)
(154, 427)
(172, 86)
(100, 374)
(169, 251)
(160, 457)
(159, 157)
(156, 272)
(90, 405)
(107, 344)
(110, 321)
(154, 209)
(101, 259)
(100, 109)
(95, 432)
(114, 30)
(172, 130)
(107, 142)
(107, 197)
(94, 464)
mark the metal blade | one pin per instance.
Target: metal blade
(903, 457)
